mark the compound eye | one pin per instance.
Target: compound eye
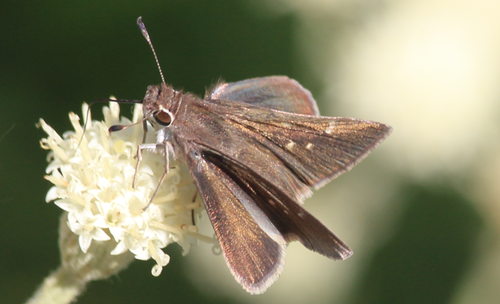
(164, 118)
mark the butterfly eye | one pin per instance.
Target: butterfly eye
(164, 117)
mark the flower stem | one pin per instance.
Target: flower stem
(60, 287)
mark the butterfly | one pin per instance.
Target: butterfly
(255, 149)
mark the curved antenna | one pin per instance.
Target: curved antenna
(115, 128)
(101, 100)
(88, 114)
(145, 33)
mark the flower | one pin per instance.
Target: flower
(92, 172)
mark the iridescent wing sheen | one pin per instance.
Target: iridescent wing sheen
(274, 92)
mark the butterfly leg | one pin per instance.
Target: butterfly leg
(192, 210)
(140, 148)
(167, 149)
(139, 159)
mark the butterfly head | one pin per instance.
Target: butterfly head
(157, 104)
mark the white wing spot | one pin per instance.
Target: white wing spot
(330, 128)
(290, 145)
(309, 146)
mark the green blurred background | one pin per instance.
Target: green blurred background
(56, 54)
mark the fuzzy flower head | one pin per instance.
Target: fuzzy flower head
(92, 172)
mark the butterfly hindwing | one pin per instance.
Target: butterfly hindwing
(253, 248)
(273, 92)
(292, 221)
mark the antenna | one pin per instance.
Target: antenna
(145, 33)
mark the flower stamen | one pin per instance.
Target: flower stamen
(92, 174)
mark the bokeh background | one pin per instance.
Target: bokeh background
(421, 213)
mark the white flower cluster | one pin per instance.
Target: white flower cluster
(92, 172)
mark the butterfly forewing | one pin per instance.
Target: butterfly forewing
(316, 149)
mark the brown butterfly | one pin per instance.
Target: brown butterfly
(255, 148)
